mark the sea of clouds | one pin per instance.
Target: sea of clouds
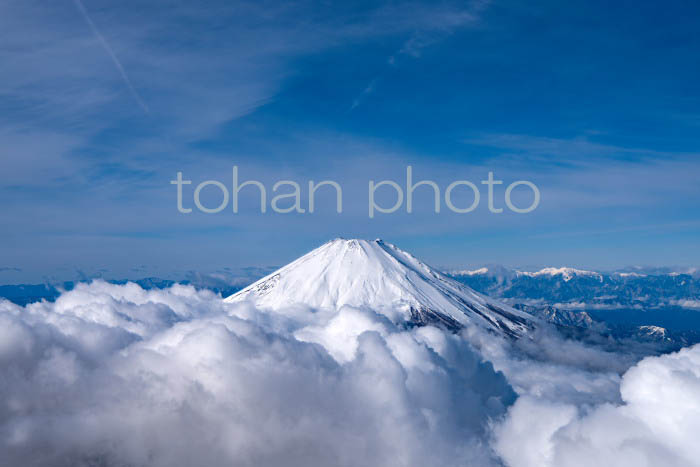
(115, 375)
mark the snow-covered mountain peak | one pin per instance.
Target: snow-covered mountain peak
(566, 273)
(379, 276)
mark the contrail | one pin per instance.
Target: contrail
(110, 52)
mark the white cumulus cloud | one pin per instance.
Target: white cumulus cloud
(115, 375)
(656, 424)
(120, 376)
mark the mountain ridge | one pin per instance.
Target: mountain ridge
(380, 276)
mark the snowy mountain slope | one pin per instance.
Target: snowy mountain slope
(559, 317)
(379, 276)
(566, 273)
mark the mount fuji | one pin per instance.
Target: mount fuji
(378, 276)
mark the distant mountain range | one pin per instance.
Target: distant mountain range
(660, 304)
(570, 288)
(22, 294)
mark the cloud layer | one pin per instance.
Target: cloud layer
(117, 375)
(656, 425)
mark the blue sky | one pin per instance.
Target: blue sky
(101, 103)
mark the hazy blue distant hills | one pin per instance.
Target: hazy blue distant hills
(571, 288)
(23, 294)
(659, 305)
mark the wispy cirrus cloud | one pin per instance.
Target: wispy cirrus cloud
(6, 269)
(435, 24)
(579, 150)
(105, 45)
